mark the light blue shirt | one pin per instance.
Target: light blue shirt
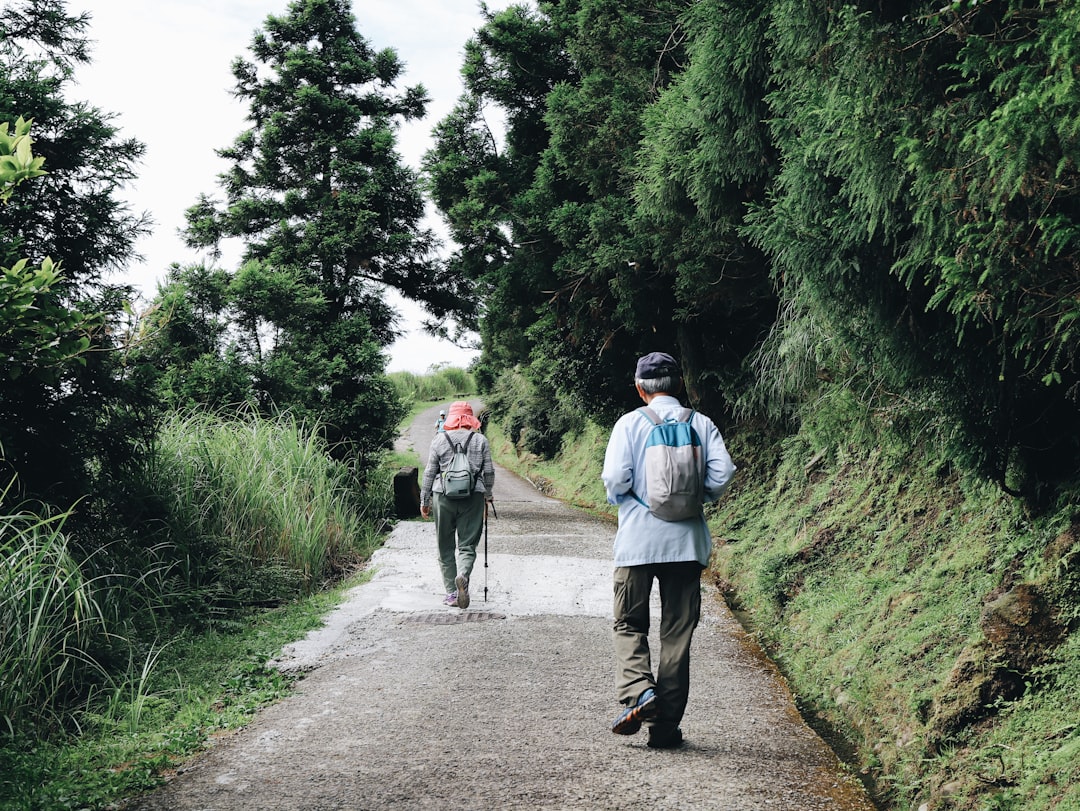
(642, 537)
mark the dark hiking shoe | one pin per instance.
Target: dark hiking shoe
(665, 738)
(462, 583)
(630, 721)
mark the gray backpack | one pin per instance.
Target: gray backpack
(458, 480)
(674, 468)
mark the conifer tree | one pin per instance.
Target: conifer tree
(480, 178)
(327, 214)
(576, 285)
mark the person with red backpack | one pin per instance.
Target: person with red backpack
(457, 486)
(662, 464)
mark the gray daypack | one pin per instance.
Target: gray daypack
(458, 480)
(674, 468)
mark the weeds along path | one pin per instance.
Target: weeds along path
(407, 704)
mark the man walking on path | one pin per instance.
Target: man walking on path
(459, 522)
(674, 552)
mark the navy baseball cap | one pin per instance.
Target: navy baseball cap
(657, 364)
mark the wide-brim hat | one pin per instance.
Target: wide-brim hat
(460, 415)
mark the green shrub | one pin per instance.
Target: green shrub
(869, 574)
(535, 419)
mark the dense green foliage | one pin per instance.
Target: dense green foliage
(788, 197)
(48, 618)
(38, 335)
(256, 509)
(589, 277)
(857, 226)
(256, 514)
(532, 417)
(173, 700)
(71, 425)
(136, 537)
(443, 383)
(923, 617)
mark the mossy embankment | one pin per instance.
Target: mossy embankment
(926, 621)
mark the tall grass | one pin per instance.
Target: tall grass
(258, 506)
(48, 618)
(253, 512)
(447, 383)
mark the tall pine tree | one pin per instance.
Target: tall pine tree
(328, 216)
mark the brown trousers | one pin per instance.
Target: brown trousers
(680, 601)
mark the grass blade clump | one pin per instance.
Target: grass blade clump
(259, 507)
(48, 617)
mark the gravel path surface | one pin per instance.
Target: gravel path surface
(406, 704)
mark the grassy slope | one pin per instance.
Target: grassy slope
(920, 619)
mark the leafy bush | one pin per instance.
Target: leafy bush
(535, 420)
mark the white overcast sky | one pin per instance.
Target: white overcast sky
(163, 68)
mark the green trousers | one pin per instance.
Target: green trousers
(458, 524)
(680, 609)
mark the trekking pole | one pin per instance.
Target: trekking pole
(486, 504)
(485, 548)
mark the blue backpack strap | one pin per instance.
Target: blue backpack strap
(688, 417)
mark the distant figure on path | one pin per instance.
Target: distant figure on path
(674, 552)
(442, 419)
(459, 521)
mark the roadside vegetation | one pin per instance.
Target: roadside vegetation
(111, 678)
(436, 385)
(186, 485)
(925, 620)
(924, 616)
(172, 697)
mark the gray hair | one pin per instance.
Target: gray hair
(652, 385)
